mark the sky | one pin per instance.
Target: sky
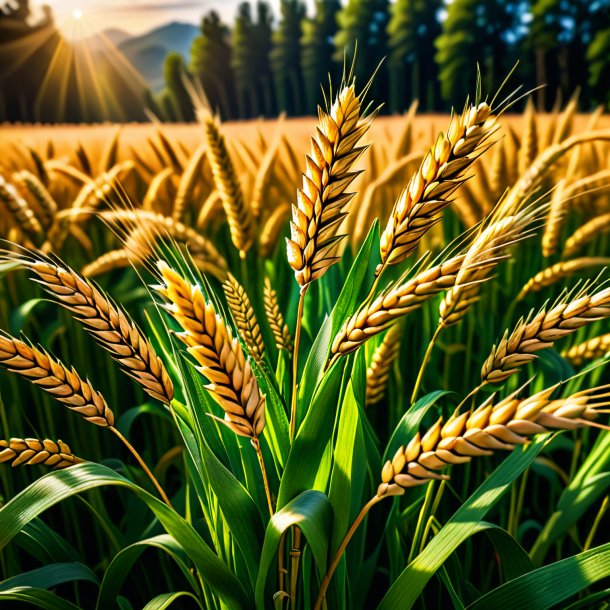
(138, 16)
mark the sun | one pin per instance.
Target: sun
(77, 14)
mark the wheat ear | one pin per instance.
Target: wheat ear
(221, 360)
(188, 181)
(110, 325)
(592, 349)
(396, 301)
(378, 371)
(533, 334)
(560, 271)
(490, 428)
(439, 175)
(281, 334)
(245, 318)
(528, 149)
(584, 234)
(239, 214)
(20, 211)
(47, 206)
(52, 376)
(114, 259)
(31, 451)
(322, 200)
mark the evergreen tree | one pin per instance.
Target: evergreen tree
(285, 57)
(317, 49)
(210, 62)
(363, 23)
(262, 45)
(174, 72)
(412, 30)
(474, 32)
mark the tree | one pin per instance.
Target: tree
(474, 32)
(412, 30)
(598, 56)
(174, 72)
(263, 29)
(285, 57)
(317, 49)
(210, 63)
(362, 24)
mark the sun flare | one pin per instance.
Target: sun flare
(77, 14)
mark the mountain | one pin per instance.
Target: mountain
(147, 52)
(116, 36)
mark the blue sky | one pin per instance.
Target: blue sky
(136, 16)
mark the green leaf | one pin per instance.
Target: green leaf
(41, 598)
(165, 600)
(50, 576)
(123, 562)
(57, 486)
(312, 512)
(550, 585)
(408, 586)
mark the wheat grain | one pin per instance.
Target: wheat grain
(585, 233)
(560, 271)
(322, 200)
(552, 227)
(31, 451)
(491, 427)
(592, 349)
(47, 206)
(20, 211)
(439, 175)
(114, 259)
(109, 324)
(245, 318)
(53, 377)
(533, 334)
(528, 149)
(239, 214)
(220, 357)
(378, 372)
(281, 334)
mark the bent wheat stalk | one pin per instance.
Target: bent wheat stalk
(378, 372)
(220, 358)
(585, 233)
(491, 427)
(31, 451)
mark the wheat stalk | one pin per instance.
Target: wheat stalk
(281, 334)
(585, 233)
(395, 302)
(592, 349)
(160, 181)
(52, 376)
(378, 371)
(558, 272)
(533, 334)
(439, 175)
(109, 324)
(31, 451)
(239, 214)
(322, 200)
(188, 181)
(245, 318)
(271, 230)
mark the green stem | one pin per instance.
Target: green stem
(600, 514)
(143, 465)
(295, 363)
(337, 558)
(295, 560)
(420, 520)
(422, 368)
(259, 454)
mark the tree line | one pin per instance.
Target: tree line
(264, 65)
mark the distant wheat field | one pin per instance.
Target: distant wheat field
(298, 131)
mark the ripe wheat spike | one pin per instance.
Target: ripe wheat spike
(528, 150)
(109, 324)
(533, 334)
(322, 201)
(560, 271)
(491, 427)
(31, 451)
(220, 357)
(52, 376)
(114, 259)
(47, 206)
(239, 214)
(20, 210)
(585, 233)
(378, 372)
(245, 318)
(592, 349)
(441, 172)
(281, 334)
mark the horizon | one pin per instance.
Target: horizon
(78, 19)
